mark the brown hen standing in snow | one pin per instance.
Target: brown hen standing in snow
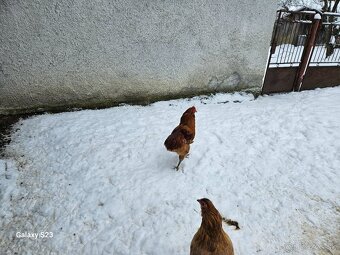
(210, 239)
(183, 135)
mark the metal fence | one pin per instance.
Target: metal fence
(327, 46)
(304, 52)
(291, 33)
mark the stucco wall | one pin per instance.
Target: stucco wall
(81, 53)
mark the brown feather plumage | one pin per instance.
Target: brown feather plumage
(210, 239)
(183, 135)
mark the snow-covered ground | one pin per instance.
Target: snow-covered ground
(103, 183)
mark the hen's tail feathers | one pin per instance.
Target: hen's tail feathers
(231, 223)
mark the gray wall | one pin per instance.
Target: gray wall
(56, 53)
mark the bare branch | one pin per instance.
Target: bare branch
(335, 6)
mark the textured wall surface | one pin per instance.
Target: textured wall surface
(81, 53)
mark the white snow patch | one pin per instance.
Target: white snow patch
(103, 182)
(8, 189)
(296, 5)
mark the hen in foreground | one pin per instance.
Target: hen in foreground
(183, 135)
(210, 239)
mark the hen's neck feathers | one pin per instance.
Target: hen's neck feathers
(188, 119)
(211, 223)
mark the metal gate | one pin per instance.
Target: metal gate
(304, 52)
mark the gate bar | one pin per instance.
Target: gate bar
(307, 53)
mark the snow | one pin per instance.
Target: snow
(8, 189)
(103, 183)
(317, 16)
(296, 5)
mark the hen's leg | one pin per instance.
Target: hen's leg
(179, 162)
(183, 155)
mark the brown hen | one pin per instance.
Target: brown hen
(210, 239)
(183, 135)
